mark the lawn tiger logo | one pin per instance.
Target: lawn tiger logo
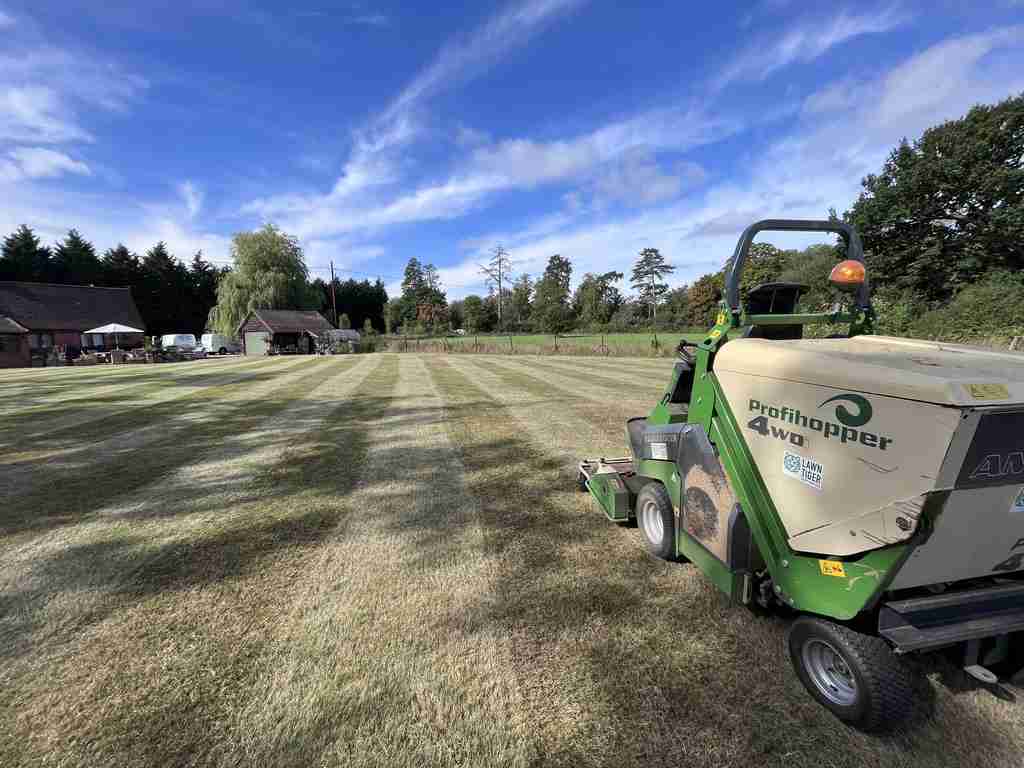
(858, 419)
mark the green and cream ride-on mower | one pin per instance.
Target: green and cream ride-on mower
(870, 486)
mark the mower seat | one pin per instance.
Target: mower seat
(774, 299)
(635, 432)
(683, 388)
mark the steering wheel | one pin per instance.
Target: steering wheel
(681, 351)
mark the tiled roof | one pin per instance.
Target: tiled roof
(51, 307)
(292, 321)
(10, 326)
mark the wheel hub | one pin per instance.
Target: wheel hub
(654, 526)
(830, 673)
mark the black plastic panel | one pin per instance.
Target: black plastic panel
(931, 622)
(996, 455)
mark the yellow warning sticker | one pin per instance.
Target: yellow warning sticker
(721, 319)
(715, 333)
(832, 568)
(989, 391)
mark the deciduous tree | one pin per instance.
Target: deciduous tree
(949, 207)
(269, 273)
(551, 308)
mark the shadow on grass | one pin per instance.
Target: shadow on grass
(53, 500)
(31, 395)
(289, 502)
(111, 414)
(655, 665)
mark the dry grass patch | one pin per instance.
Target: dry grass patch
(385, 659)
(642, 662)
(167, 645)
(382, 560)
(96, 414)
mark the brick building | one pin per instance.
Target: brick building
(37, 318)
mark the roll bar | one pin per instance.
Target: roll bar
(854, 250)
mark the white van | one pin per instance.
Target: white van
(183, 341)
(219, 344)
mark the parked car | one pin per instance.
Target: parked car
(220, 344)
(182, 341)
(199, 352)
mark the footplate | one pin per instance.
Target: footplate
(923, 623)
(607, 481)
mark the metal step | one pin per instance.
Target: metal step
(922, 623)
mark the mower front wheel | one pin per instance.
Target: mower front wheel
(656, 519)
(855, 676)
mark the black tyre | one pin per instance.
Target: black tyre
(856, 676)
(581, 482)
(222, 351)
(655, 518)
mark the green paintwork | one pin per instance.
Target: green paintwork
(799, 578)
(665, 473)
(802, 319)
(612, 495)
(727, 581)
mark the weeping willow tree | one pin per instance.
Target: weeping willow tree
(269, 273)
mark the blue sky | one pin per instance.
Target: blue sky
(380, 130)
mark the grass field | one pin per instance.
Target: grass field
(609, 344)
(380, 560)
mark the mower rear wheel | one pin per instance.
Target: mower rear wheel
(655, 518)
(855, 676)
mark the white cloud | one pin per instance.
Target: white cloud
(832, 98)
(614, 163)
(467, 57)
(192, 197)
(349, 259)
(372, 162)
(36, 113)
(369, 20)
(818, 166)
(916, 92)
(637, 179)
(38, 163)
(526, 163)
(182, 240)
(43, 89)
(6, 20)
(46, 93)
(470, 137)
(804, 42)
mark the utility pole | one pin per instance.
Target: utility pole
(495, 271)
(334, 300)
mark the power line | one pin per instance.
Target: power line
(325, 270)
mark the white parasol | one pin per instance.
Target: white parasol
(115, 328)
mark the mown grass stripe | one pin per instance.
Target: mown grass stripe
(407, 677)
(38, 508)
(54, 380)
(81, 422)
(597, 405)
(632, 384)
(614, 366)
(154, 675)
(670, 659)
(41, 399)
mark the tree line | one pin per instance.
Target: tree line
(269, 272)
(943, 230)
(942, 225)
